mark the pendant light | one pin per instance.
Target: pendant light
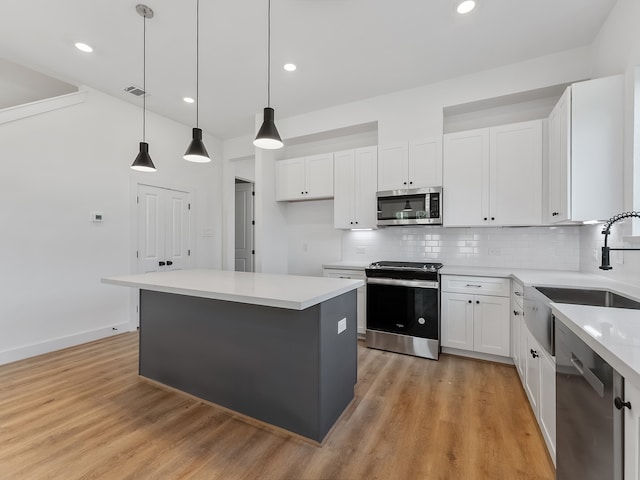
(197, 151)
(143, 162)
(268, 136)
(407, 207)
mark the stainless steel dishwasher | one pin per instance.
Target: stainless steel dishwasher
(589, 412)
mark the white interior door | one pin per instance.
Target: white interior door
(163, 229)
(244, 227)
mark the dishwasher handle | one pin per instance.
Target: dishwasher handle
(588, 375)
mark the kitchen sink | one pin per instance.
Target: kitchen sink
(597, 298)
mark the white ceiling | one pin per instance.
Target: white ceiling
(345, 50)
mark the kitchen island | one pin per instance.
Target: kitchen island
(277, 348)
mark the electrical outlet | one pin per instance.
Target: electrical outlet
(342, 325)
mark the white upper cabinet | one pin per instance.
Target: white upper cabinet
(305, 178)
(466, 178)
(515, 183)
(586, 142)
(355, 188)
(414, 164)
(493, 176)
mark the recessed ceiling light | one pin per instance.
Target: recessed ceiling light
(290, 67)
(188, 99)
(466, 6)
(83, 47)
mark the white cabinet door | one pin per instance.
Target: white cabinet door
(457, 320)
(355, 182)
(425, 163)
(290, 179)
(515, 194)
(365, 187)
(344, 181)
(632, 432)
(516, 326)
(319, 176)
(393, 167)
(547, 407)
(491, 325)
(559, 158)
(466, 178)
(532, 372)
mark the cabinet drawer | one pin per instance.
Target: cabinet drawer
(351, 274)
(476, 285)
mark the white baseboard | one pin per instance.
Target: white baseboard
(27, 351)
(477, 355)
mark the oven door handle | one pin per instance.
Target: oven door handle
(401, 282)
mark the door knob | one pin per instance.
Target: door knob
(162, 264)
(169, 262)
(620, 404)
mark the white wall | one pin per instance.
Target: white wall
(57, 168)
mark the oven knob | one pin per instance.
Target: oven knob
(422, 321)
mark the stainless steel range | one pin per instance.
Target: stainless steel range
(403, 308)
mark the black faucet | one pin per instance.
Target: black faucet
(606, 265)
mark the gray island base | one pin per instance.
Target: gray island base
(286, 367)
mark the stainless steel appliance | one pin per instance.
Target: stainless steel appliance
(589, 412)
(403, 308)
(418, 206)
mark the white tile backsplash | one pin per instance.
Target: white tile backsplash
(553, 248)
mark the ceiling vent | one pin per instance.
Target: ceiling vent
(137, 91)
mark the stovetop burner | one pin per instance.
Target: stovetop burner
(404, 270)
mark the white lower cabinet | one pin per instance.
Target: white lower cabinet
(547, 416)
(539, 382)
(361, 292)
(632, 432)
(478, 323)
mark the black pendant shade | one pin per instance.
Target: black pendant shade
(143, 162)
(407, 206)
(197, 152)
(268, 136)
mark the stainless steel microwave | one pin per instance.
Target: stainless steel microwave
(417, 206)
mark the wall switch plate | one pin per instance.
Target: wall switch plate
(97, 217)
(342, 325)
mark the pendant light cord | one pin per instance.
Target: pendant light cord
(269, 55)
(197, 63)
(144, 76)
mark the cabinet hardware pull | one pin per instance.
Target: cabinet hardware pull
(472, 285)
(493, 218)
(620, 404)
(516, 312)
(478, 302)
(469, 301)
(485, 219)
(162, 264)
(169, 262)
(518, 294)
(534, 353)
(554, 214)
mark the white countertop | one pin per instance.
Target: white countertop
(282, 291)
(613, 333)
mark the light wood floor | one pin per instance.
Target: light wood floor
(83, 413)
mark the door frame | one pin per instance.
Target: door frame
(134, 316)
(253, 229)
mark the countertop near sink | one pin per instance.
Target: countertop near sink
(613, 333)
